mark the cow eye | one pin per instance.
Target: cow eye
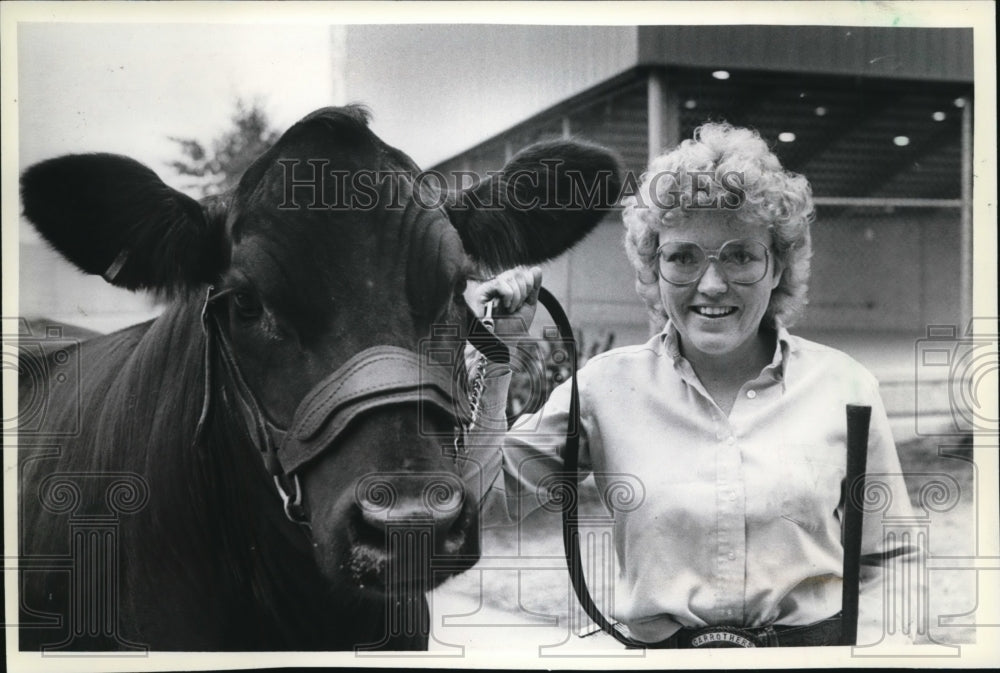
(247, 304)
(460, 286)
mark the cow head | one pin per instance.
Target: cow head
(326, 248)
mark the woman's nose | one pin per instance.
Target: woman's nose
(712, 282)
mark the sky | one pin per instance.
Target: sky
(126, 87)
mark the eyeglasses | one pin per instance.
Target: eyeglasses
(742, 261)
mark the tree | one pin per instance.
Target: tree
(217, 171)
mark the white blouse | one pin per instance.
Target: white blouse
(733, 519)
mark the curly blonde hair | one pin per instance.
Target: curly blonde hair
(719, 158)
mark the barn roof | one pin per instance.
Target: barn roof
(852, 137)
(869, 51)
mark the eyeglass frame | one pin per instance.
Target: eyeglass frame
(714, 255)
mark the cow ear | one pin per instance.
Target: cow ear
(112, 216)
(545, 200)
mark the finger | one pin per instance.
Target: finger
(496, 288)
(510, 292)
(519, 282)
(536, 284)
(512, 288)
(471, 294)
(481, 293)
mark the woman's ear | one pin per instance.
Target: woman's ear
(779, 269)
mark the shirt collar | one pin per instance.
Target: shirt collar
(670, 340)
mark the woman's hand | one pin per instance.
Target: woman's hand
(516, 295)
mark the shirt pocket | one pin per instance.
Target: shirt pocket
(814, 485)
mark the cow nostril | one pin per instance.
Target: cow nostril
(410, 529)
(390, 502)
(444, 501)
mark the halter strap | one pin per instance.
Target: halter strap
(264, 435)
(375, 377)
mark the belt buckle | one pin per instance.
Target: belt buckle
(722, 636)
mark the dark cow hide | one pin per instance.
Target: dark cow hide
(148, 518)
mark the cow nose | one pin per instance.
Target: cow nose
(411, 501)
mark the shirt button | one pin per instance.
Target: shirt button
(730, 440)
(732, 555)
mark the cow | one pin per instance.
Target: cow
(244, 471)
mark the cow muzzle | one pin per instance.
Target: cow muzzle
(404, 530)
(393, 519)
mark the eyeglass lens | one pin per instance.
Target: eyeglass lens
(742, 261)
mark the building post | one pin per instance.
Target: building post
(664, 126)
(965, 236)
(664, 114)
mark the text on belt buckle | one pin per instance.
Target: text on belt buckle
(723, 636)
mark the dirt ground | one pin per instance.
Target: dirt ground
(519, 594)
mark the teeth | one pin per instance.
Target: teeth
(714, 311)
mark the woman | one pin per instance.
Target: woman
(734, 428)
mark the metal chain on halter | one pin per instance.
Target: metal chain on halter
(478, 384)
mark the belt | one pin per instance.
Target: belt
(826, 632)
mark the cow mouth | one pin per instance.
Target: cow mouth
(407, 558)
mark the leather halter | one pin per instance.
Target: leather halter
(375, 377)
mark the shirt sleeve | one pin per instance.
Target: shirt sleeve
(528, 455)
(481, 457)
(891, 556)
(533, 466)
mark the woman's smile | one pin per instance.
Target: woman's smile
(714, 312)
